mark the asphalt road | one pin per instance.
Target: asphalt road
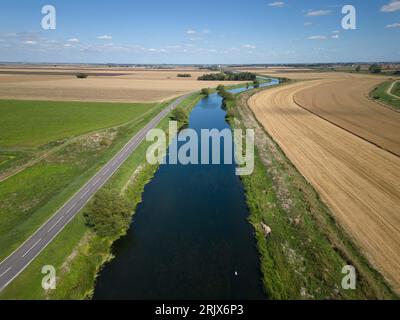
(12, 266)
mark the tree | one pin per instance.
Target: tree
(205, 91)
(226, 97)
(358, 68)
(82, 75)
(221, 88)
(375, 68)
(228, 76)
(180, 115)
(256, 84)
(109, 214)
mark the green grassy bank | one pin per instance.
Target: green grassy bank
(380, 94)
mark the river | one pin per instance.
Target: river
(189, 238)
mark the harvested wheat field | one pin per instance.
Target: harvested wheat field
(346, 104)
(358, 180)
(114, 85)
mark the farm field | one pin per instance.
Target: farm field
(91, 133)
(346, 104)
(30, 124)
(110, 85)
(311, 74)
(357, 180)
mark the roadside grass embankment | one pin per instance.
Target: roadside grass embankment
(30, 197)
(78, 253)
(304, 256)
(380, 94)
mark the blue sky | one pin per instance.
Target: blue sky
(206, 31)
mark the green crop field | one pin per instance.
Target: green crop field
(35, 123)
(32, 195)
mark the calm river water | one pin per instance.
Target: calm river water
(190, 238)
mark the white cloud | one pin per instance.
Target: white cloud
(317, 38)
(308, 24)
(248, 46)
(30, 42)
(393, 25)
(206, 31)
(191, 31)
(73, 40)
(335, 36)
(68, 45)
(174, 47)
(393, 6)
(336, 32)
(277, 4)
(318, 13)
(104, 37)
(196, 39)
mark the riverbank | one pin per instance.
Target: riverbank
(191, 226)
(381, 94)
(306, 252)
(78, 253)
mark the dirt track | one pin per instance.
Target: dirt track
(345, 103)
(358, 180)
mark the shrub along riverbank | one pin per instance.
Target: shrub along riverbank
(85, 244)
(304, 256)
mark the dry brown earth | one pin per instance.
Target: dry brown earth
(358, 180)
(120, 85)
(346, 103)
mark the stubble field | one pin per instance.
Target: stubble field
(356, 178)
(102, 85)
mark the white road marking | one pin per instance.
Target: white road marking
(36, 243)
(84, 195)
(69, 210)
(58, 221)
(5, 272)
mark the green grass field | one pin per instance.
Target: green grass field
(77, 254)
(380, 94)
(396, 89)
(30, 197)
(30, 124)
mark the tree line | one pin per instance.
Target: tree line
(228, 76)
